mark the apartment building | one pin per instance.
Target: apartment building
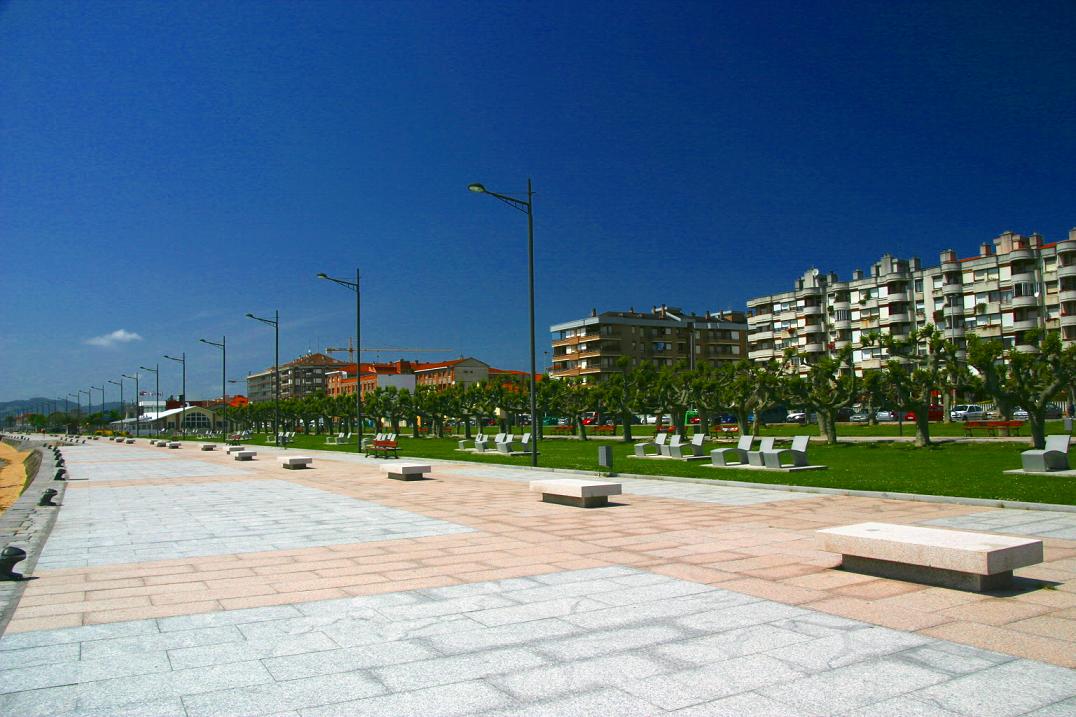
(1015, 283)
(301, 377)
(411, 374)
(589, 347)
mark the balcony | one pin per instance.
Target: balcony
(763, 354)
(812, 310)
(814, 347)
(954, 332)
(1063, 271)
(812, 328)
(1019, 301)
(1016, 255)
(759, 335)
(842, 303)
(1069, 318)
(842, 324)
(952, 287)
(1025, 324)
(841, 343)
(809, 291)
(953, 310)
(757, 319)
(1026, 276)
(1026, 349)
(898, 318)
(1067, 295)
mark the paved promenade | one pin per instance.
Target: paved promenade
(181, 582)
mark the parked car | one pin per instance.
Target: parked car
(885, 416)
(1020, 414)
(933, 414)
(796, 417)
(860, 417)
(967, 412)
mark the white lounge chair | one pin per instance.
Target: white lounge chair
(658, 442)
(732, 456)
(694, 447)
(1054, 457)
(507, 445)
(754, 458)
(674, 442)
(798, 454)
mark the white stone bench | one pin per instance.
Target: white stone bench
(209, 446)
(294, 462)
(175, 444)
(130, 440)
(234, 449)
(405, 471)
(244, 455)
(575, 492)
(949, 558)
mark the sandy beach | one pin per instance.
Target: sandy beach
(12, 475)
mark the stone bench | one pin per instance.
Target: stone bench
(294, 462)
(244, 455)
(209, 446)
(130, 440)
(175, 444)
(234, 449)
(575, 492)
(405, 471)
(949, 558)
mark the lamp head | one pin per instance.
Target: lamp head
(476, 188)
(251, 316)
(323, 275)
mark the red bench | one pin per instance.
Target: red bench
(993, 427)
(379, 448)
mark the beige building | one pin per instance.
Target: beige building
(1014, 284)
(301, 377)
(589, 348)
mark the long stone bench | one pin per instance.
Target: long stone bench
(294, 462)
(405, 471)
(130, 440)
(175, 444)
(234, 449)
(209, 446)
(575, 492)
(244, 455)
(949, 558)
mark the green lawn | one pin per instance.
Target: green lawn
(971, 470)
(889, 428)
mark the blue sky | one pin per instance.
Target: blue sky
(168, 167)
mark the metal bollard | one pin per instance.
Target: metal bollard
(8, 557)
(47, 496)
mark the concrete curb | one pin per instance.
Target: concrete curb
(27, 525)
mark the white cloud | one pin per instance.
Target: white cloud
(119, 336)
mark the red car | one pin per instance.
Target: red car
(934, 413)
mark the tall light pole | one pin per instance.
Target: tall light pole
(527, 207)
(123, 406)
(354, 286)
(102, 390)
(135, 379)
(78, 410)
(89, 403)
(223, 346)
(183, 400)
(156, 396)
(275, 323)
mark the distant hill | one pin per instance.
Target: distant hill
(33, 405)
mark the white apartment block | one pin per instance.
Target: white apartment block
(1014, 284)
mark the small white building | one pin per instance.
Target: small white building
(195, 419)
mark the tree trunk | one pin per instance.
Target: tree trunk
(582, 428)
(626, 420)
(1037, 420)
(947, 406)
(741, 421)
(922, 427)
(467, 427)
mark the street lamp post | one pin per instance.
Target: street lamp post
(123, 406)
(223, 346)
(135, 379)
(183, 400)
(156, 396)
(89, 403)
(102, 390)
(354, 286)
(275, 323)
(527, 207)
(78, 410)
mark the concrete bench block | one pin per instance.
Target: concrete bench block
(575, 492)
(405, 471)
(175, 444)
(294, 462)
(244, 455)
(209, 446)
(234, 449)
(130, 440)
(949, 558)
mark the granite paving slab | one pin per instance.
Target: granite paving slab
(113, 525)
(682, 648)
(1040, 523)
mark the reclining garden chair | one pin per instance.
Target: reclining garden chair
(798, 454)
(733, 456)
(1055, 457)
